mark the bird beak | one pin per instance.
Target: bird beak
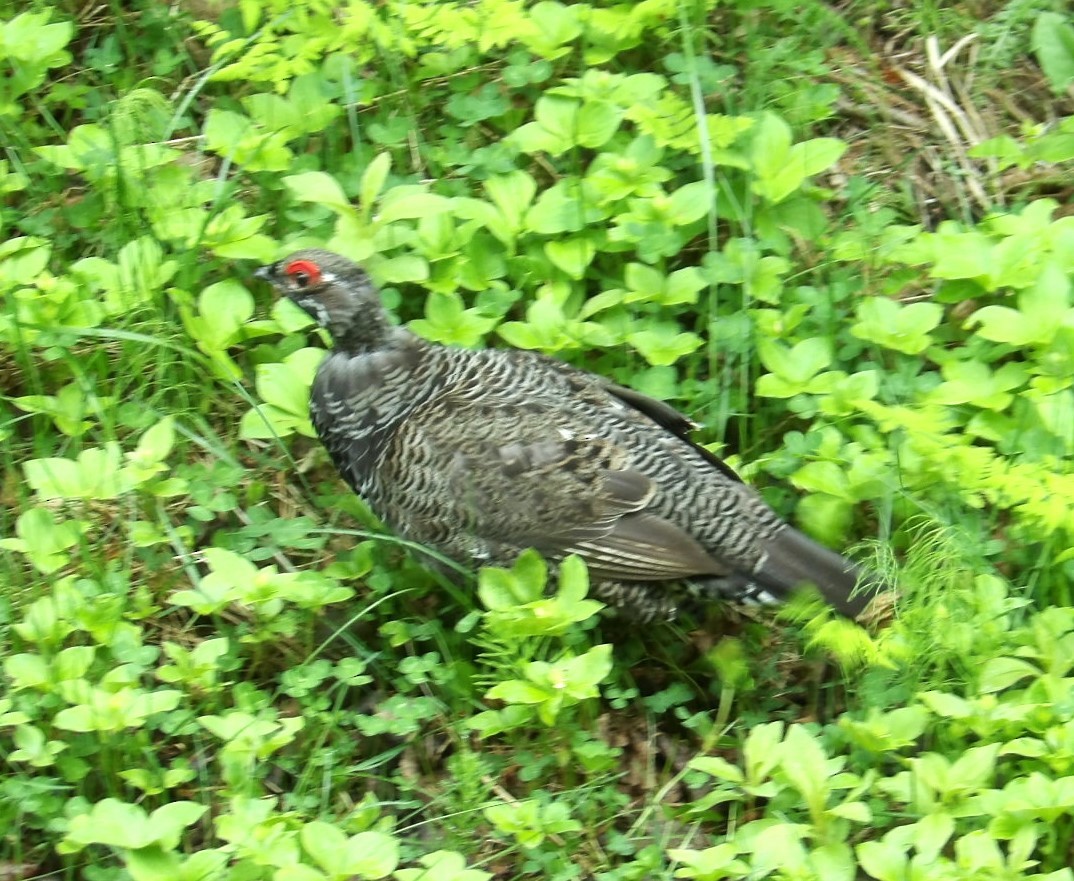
(264, 273)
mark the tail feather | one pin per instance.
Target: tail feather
(794, 560)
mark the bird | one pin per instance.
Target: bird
(480, 454)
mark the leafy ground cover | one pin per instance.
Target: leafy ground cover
(837, 235)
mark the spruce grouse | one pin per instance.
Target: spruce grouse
(481, 454)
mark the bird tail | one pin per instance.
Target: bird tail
(794, 560)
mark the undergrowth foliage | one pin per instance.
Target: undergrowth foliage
(209, 672)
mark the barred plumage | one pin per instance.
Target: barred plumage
(481, 454)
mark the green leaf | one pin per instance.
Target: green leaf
(561, 123)
(410, 203)
(581, 675)
(442, 865)
(556, 26)
(114, 823)
(855, 811)
(223, 308)
(974, 768)
(286, 384)
(690, 203)
(327, 845)
(780, 168)
(118, 824)
(27, 670)
(931, 833)
(563, 207)
(718, 768)
(571, 255)
(1041, 310)
(44, 540)
(512, 194)
(769, 146)
(153, 863)
(299, 872)
(95, 475)
(573, 580)
(999, 674)
(663, 344)
(156, 443)
(710, 864)
(799, 364)
(320, 188)
(373, 180)
(1053, 43)
(883, 860)
(824, 477)
(515, 691)
(229, 567)
(904, 328)
(805, 765)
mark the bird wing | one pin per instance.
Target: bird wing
(493, 471)
(666, 416)
(660, 412)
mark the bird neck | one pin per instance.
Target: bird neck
(366, 331)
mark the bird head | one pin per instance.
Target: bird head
(335, 292)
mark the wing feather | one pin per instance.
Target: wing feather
(535, 482)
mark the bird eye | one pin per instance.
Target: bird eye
(304, 273)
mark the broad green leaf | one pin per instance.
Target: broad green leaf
(824, 477)
(442, 865)
(118, 824)
(776, 181)
(156, 442)
(718, 768)
(883, 860)
(573, 580)
(805, 765)
(27, 670)
(690, 203)
(320, 188)
(95, 475)
(224, 307)
(114, 823)
(799, 364)
(410, 203)
(1053, 43)
(373, 180)
(371, 855)
(663, 345)
(44, 540)
(931, 834)
(327, 844)
(999, 674)
(1036, 321)
(904, 328)
(958, 254)
(779, 847)
(715, 863)
(974, 767)
(761, 750)
(515, 691)
(581, 675)
(512, 194)
(229, 567)
(683, 286)
(563, 207)
(571, 255)
(769, 146)
(561, 123)
(556, 26)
